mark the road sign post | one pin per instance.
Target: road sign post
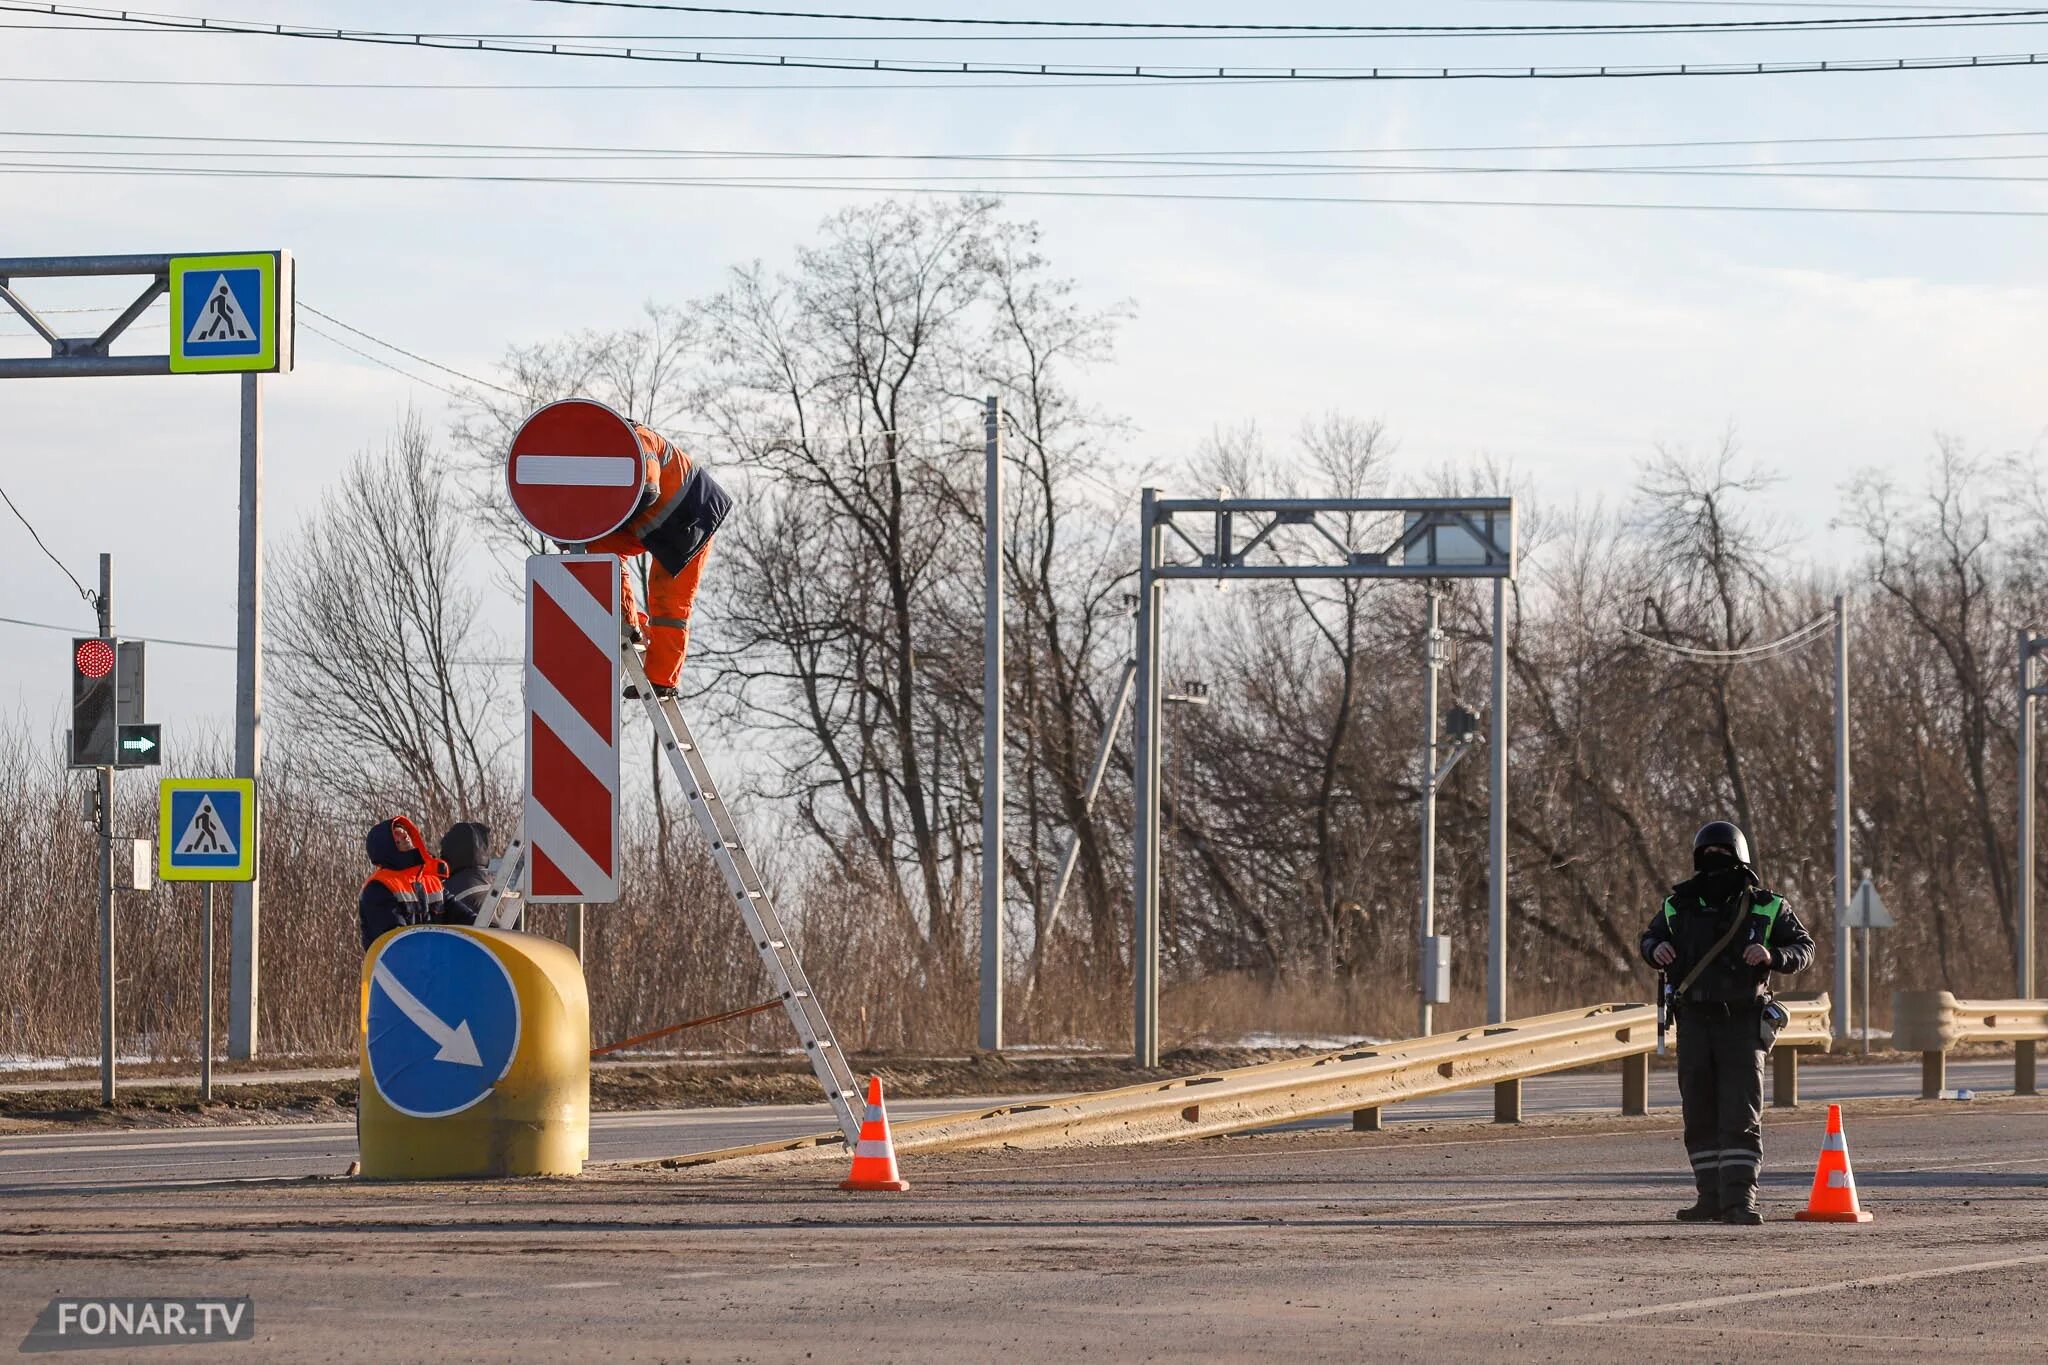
(206, 832)
(1867, 912)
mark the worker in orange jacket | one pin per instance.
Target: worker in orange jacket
(406, 887)
(680, 509)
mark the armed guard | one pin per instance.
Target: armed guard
(1717, 939)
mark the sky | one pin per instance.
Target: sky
(1566, 342)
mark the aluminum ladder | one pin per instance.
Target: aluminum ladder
(742, 878)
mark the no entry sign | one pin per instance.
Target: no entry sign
(575, 471)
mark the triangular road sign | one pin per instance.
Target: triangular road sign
(206, 832)
(1866, 908)
(221, 317)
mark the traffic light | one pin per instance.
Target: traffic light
(93, 737)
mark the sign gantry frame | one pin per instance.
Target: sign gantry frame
(1224, 539)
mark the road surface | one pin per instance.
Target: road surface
(1461, 1242)
(103, 1159)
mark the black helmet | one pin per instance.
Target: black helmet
(1721, 834)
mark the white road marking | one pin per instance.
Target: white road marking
(1952, 1166)
(1796, 1291)
(162, 1146)
(584, 1284)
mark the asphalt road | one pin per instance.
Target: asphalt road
(109, 1159)
(1548, 1242)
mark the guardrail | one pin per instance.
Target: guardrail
(1360, 1081)
(1932, 1022)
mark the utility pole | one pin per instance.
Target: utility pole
(992, 730)
(1844, 937)
(105, 779)
(2032, 644)
(1432, 650)
(243, 938)
(1497, 817)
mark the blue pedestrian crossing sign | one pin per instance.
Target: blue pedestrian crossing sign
(441, 1021)
(231, 313)
(206, 829)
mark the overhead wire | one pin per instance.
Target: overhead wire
(85, 593)
(1029, 70)
(846, 185)
(1786, 644)
(1037, 26)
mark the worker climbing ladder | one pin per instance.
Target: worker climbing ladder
(744, 882)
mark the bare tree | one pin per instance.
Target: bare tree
(380, 669)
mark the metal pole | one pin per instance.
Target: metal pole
(1111, 723)
(206, 1002)
(105, 778)
(1844, 955)
(1866, 990)
(1145, 793)
(992, 729)
(2030, 645)
(1431, 639)
(576, 930)
(243, 940)
(1497, 817)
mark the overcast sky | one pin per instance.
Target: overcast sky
(1567, 341)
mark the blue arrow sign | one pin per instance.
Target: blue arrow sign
(444, 1021)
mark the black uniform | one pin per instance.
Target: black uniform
(1721, 1033)
(466, 848)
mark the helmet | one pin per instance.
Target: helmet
(1724, 834)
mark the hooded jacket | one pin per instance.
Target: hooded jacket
(406, 887)
(465, 849)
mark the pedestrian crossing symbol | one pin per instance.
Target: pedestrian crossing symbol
(207, 830)
(231, 312)
(221, 319)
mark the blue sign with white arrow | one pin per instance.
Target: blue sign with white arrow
(443, 1021)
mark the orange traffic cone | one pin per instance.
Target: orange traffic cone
(1834, 1184)
(874, 1157)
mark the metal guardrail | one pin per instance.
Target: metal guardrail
(1932, 1022)
(1360, 1081)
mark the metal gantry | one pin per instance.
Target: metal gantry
(1224, 539)
(268, 351)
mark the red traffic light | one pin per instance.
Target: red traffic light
(95, 658)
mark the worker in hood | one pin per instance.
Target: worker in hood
(406, 887)
(466, 849)
(680, 509)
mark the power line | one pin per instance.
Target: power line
(1785, 644)
(374, 360)
(1321, 30)
(1000, 191)
(1033, 71)
(481, 662)
(1181, 170)
(1244, 162)
(466, 378)
(83, 592)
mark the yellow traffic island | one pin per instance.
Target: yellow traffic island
(475, 1047)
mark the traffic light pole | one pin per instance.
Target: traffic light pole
(105, 779)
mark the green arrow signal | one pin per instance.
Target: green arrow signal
(141, 744)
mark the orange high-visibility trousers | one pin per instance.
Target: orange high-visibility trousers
(666, 622)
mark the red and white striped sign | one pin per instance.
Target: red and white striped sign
(572, 728)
